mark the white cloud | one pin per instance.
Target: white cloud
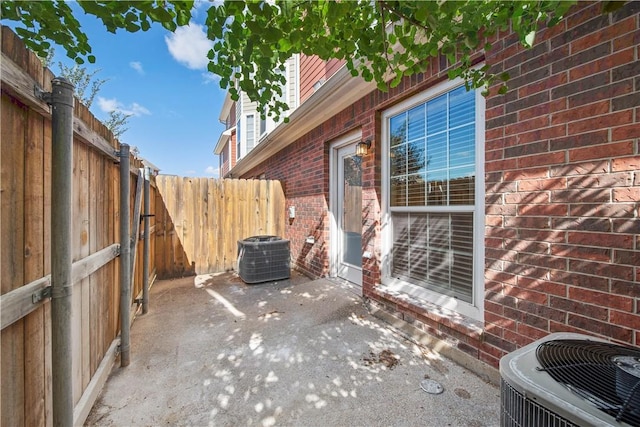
(107, 105)
(212, 171)
(137, 66)
(134, 109)
(200, 7)
(189, 173)
(210, 78)
(189, 46)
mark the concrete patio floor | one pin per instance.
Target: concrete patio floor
(215, 351)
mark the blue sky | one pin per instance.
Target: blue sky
(161, 79)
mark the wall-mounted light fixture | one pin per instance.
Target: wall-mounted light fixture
(362, 148)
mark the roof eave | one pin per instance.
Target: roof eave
(222, 140)
(226, 108)
(340, 91)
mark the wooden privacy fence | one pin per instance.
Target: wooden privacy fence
(200, 220)
(195, 224)
(25, 244)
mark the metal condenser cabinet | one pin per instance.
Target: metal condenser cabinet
(263, 259)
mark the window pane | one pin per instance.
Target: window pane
(416, 123)
(461, 277)
(419, 244)
(437, 151)
(398, 160)
(439, 269)
(439, 229)
(416, 186)
(435, 251)
(462, 146)
(462, 233)
(398, 192)
(462, 191)
(398, 129)
(437, 188)
(437, 115)
(251, 131)
(416, 156)
(461, 107)
(400, 264)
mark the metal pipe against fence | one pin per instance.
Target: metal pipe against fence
(125, 256)
(61, 100)
(135, 226)
(147, 242)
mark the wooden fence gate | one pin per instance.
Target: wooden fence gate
(25, 245)
(199, 221)
(194, 229)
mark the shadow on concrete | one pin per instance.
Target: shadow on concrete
(215, 351)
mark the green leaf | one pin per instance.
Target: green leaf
(396, 80)
(611, 6)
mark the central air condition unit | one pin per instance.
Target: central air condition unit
(568, 379)
(263, 259)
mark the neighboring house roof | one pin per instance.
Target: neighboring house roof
(336, 94)
(224, 138)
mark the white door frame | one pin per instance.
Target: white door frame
(352, 137)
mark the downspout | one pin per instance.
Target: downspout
(61, 101)
(147, 241)
(125, 255)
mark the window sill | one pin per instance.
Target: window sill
(420, 308)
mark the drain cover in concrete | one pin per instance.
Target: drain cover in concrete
(431, 386)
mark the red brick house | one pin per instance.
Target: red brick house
(485, 222)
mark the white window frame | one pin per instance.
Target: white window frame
(248, 149)
(239, 124)
(296, 82)
(262, 122)
(475, 309)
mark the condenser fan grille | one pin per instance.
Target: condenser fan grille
(606, 375)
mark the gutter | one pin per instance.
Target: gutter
(340, 91)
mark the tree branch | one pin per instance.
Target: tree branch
(385, 40)
(384, 5)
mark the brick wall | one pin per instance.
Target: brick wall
(228, 156)
(562, 177)
(224, 160)
(303, 169)
(563, 185)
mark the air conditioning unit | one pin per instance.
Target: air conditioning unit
(263, 259)
(568, 379)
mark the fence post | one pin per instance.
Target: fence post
(61, 100)
(147, 242)
(125, 256)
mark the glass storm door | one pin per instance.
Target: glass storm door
(349, 215)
